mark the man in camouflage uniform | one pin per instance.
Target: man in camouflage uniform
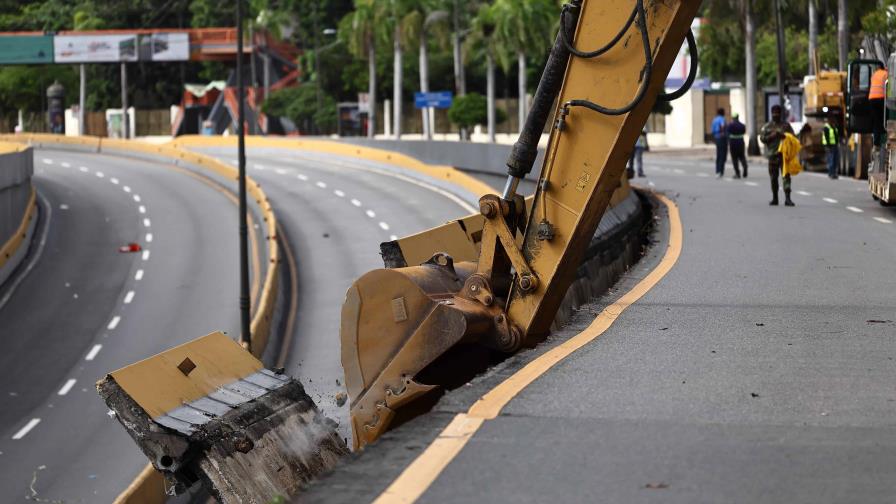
(771, 135)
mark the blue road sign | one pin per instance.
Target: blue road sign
(438, 99)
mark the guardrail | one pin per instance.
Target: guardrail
(148, 487)
(18, 206)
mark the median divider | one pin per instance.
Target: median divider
(148, 487)
(18, 206)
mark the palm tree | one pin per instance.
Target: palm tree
(524, 26)
(360, 30)
(482, 37)
(399, 17)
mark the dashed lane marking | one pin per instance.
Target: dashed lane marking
(113, 323)
(68, 386)
(704, 175)
(129, 297)
(804, 193)
(92, 353)
(141, 209)
(114, 180)
(830, 200)
(356, 202)
(384, 226)
(148, 238)
(145, 255)
(320, 184)
(281, 171)
(138, 275)
(100, 174)
(137, 198)
(393, 237)
(371, 214)
(751, 184)
(258, 166)
(84, 169)
(146, 223)
(65, 165)
(303, 178)
(855, 209)
(47, 161)
(26, 429)
(883, 221)
(339, 193)
(63, 207)
(126, 189)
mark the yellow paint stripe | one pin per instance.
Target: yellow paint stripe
(424, 470)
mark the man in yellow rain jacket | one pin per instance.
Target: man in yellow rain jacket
(771, 135)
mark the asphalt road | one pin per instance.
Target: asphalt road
(759, 369)
(335, 212)
(85, 309)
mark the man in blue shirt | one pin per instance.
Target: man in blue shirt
(721, 138)
(736, 131)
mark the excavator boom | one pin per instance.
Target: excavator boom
(506, 270)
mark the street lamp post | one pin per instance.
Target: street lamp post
(245, 329)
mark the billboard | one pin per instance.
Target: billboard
(26, 49)
(121, 48)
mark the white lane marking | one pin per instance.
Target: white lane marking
(68, 386)
(280, 171)
(370, 213)
(704, 175)
(113, 323)
(129, 297)
(63, 207)
(651, 184)
(26, 429)
(137, 198)
(384, 226)
(356, 202)
(142, 209)
(138, 275)
(855, 209)
(100, 174)
(145, 255)
(678, 171)
(126, 189)
(751, 184)
(47, 161)
(320, 184)
(258, 166)
(883, 221)
(146, 223)
(830, 200)
(804, 193)
(92, 353)
(393, 237)
(148, 238)
(84, 169)
(65, 165)
(302, 177)
(339, 193)
(114, 180)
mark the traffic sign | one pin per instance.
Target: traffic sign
(438, 99)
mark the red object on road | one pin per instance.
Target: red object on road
(130, 247)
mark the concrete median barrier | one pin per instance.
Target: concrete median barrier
(18, 206)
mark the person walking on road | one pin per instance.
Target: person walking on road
(637, 161)
(771, 135)
(721, 139)
(736, 131)
(830, 139)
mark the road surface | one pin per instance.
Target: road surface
(85, 309)
(759, 369)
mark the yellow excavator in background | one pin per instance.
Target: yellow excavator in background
(494, 279)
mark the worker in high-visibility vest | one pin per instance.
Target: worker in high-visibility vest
(830, 138)
(877, 95)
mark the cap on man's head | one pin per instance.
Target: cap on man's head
(735, 115)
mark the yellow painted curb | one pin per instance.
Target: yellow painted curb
(146, 487)
(15, 241)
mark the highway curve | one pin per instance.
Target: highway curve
(85, 309)
(335, 212)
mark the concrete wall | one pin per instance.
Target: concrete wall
(480, 157)
(684, 126)
(16, 168)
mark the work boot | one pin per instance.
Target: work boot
(787, 200)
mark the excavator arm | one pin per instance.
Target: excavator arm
(499, 277)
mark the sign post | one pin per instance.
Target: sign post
(433, 100)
